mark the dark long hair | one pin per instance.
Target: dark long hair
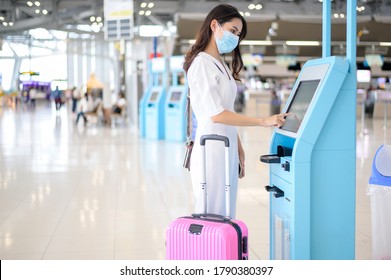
(222, 13)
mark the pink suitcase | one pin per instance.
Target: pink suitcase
(208, 236)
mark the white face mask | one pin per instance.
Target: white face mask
(227, 43)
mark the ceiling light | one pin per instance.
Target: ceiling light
(258, 7)
(92, 18)
(361, 9)
(251, 6)
(166, 33)
(45, 12)
(148, 13)
(141, 13)
(37, 3)
(247, 14)
(29, 3)
(150, 5)
(256, 43)
(385, 44)
(302, 43)
(37, 11)
(342, 15)
(336, 15)
(1, 18)
(99, 19)
(95, 27)
(173, 29)
(150, 30)
(5, 23)
(11, 23)
(143, 5)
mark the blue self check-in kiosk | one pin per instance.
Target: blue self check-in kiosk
(141, 110)
(175, 107)
(313, 158)
(155, 100)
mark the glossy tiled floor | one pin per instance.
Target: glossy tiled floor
(75, 192)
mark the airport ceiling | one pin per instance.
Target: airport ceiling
(277, 20)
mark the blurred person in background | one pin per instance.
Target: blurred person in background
(57, 96)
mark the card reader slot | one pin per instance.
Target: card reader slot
(276, 158)
(270, 159)
(277, 191)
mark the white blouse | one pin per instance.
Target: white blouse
(213, 90)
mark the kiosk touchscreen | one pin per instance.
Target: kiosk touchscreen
(175, 96)
(299, 105)
(312, 166)
(154, 96)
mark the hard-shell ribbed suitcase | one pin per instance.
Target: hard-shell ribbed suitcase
(208, 236)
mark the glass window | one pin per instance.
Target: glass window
(53, 67)
(6, 69)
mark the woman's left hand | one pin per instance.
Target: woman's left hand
(242, 172)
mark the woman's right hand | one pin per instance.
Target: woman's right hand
(275, 120)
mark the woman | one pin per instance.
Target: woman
(212, 93)
(120, 104)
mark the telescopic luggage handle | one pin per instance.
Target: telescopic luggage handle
(224, 139)
(216, 137)
(211, 216)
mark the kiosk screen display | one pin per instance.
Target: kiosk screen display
(175, 96)
(299, 105)
(154, 96)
